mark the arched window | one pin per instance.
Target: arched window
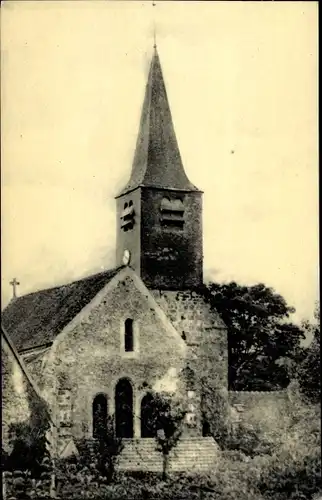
(124, 409)
(148, 428)
(128, 335)
(99, 415)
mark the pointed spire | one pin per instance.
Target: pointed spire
(157, 160)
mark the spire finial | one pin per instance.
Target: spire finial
(154, 30)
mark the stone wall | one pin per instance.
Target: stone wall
(34, 360)
(269, 410)
(206, 337)
(21, 404)
(203, 331)
(87, 358)
(171, 258)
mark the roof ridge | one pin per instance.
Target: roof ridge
(51, 288)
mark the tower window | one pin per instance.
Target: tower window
(172, 212)
(128, 335)
(127, 217)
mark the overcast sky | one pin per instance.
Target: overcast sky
(242, 85)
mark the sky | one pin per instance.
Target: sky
(241, 79)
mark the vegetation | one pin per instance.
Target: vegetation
(29, 443)
(308, 372)
(28, 466)
(96, 459)
(251, 465)
(261, 338)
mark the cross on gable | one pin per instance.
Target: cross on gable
(14, 283)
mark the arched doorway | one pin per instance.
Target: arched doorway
(124, 409)
(99, 415)
(147, 417)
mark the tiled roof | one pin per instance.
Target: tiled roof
(35, 319)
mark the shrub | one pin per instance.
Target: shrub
(294, 470)
(249, 440)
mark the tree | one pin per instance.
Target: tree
(261, 338)
(167, 419)
(308, 372)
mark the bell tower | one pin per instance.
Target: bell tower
(159, 212)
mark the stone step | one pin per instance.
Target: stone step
(189, 454)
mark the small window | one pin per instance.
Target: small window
(128, 336)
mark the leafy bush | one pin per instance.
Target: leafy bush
(30, 449)
(294, 469)
(250, 440)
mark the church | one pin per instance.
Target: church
(100, 345)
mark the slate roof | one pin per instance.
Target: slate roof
(157, 160)
(35, 319)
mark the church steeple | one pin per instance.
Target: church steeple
(157, 160)
(159, 212)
